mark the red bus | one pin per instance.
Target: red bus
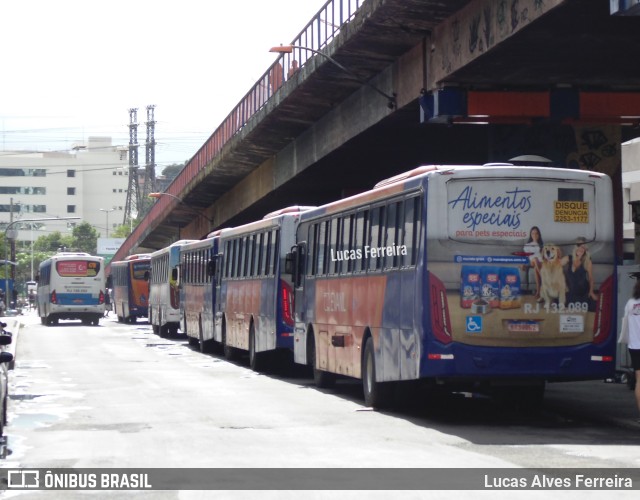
(431, 276)
(254, 306)
(130, 287)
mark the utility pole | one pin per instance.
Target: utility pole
(133, 191)
(13, 247)
(149, 184)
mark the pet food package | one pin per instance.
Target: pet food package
(490, 288)
(510, 297)
(470, 282)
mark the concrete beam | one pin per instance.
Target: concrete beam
(477, 29)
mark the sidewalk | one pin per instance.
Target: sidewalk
(14, 325)
(596, 400)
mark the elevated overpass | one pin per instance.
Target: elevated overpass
(469, 81)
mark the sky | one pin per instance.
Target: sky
(72, 69)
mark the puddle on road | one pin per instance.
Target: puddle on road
(33, 420)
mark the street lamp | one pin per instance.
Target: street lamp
(13, 237)
(157, 196)
(288, 49)
(107, 210)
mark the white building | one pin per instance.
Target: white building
(90, 183)
(630, 183)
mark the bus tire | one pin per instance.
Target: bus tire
(321, 378)
(164, 330)
(376, 394)
(257, 360)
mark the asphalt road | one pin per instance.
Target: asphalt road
(119, 396)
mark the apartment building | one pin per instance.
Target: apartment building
(89, 182)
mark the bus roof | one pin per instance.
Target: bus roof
(396, 184)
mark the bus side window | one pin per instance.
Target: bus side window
(321, 246)
(313, 251)
(376, 236)
(346, 243)
(393, 233)
(334, 244)
(411, 230)
(360, 239)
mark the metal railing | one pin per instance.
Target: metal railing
(317, 34)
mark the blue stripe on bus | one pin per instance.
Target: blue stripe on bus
(76, 299)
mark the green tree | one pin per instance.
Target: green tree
(85, 238)
(51, 243)
(124, 230)
(171, 171)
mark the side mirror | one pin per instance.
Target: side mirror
(109, 283)
(290, 261)
(294, 263)
(174, 274)
(147, 275)
(5, 338)
(6, 357)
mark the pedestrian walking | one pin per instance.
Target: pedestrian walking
(630, 335)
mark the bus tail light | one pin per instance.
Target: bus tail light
(287, 302)
(54, 297)
(604, 308)
(440, 321)
(101, 297)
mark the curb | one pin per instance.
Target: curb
(14, 325)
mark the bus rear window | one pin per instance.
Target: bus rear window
(77, 268)
(140, 269)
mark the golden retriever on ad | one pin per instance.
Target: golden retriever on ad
(553, 284)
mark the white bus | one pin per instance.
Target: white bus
(71, 285)
(164, 296)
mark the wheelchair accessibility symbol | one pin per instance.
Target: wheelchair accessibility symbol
(474, 324)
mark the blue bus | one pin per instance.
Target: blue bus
(198, 271)
(129, 281)
(495, 278)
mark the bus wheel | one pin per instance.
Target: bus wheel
(321, 378)
(257, 360)
(376, 394)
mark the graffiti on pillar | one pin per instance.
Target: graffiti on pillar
(478, 27)
(597, 148)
